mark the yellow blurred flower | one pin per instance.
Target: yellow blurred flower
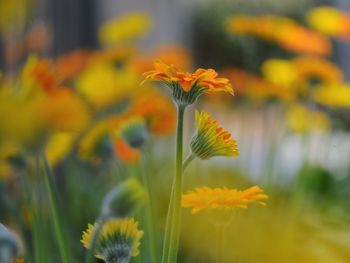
(22, 119)
(6, 152)
(256, 87)
(210, 139)
(103, 85)
(128, 27)
(280, 71)
(222, 198)
(119, 239)
(302, 120)
(330, 21)
(334, 95)
(90, 140)
(58, 146)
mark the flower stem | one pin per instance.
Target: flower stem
(219, 237)
(55, 214)
(171, 238)
(150, 218)
(187, 161)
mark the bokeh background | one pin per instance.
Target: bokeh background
(290, 69)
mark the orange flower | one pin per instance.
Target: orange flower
(222, 198)
(176, 55)
(301, 40)
(282, 30)
(65, 111)
(202, 78)
(71, 64)
(40, 75)
(126, 153)
(314, 67)
(156, 109)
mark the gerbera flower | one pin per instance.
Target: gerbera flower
(211, 140)
(118, 241)
(187, 87)
(125, 153)
(222, 198)
(125, 28)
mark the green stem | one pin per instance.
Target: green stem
(172, 233)
(219, 237)
(150, 218)
(187, 161)
(55, 214)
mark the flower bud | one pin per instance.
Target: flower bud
(9, 246)
(123, 199)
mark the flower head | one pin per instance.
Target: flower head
(334, 95)
(211, 140)
(329, 21)
(125, 28)
(119, 240)
(187, 87)
(224, 198)
(123, 199)
(283, 31)
(125, 153)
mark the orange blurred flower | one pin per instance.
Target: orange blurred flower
(283, 31)
(176, 55)
(126, 153)
(314, 67)
(71, 64)
(65, 111)
(157, 109)
(40, 74)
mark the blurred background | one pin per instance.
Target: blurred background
(289, 64)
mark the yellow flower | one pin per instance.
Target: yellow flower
(90, 141)
(119, 239)
(222, 198)
(302, 120)
(325, 19)
(103, 85)
(211, 140)
(58, 146)
(280, 71)
(187, 87)
(335, 95)
(125, 28)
